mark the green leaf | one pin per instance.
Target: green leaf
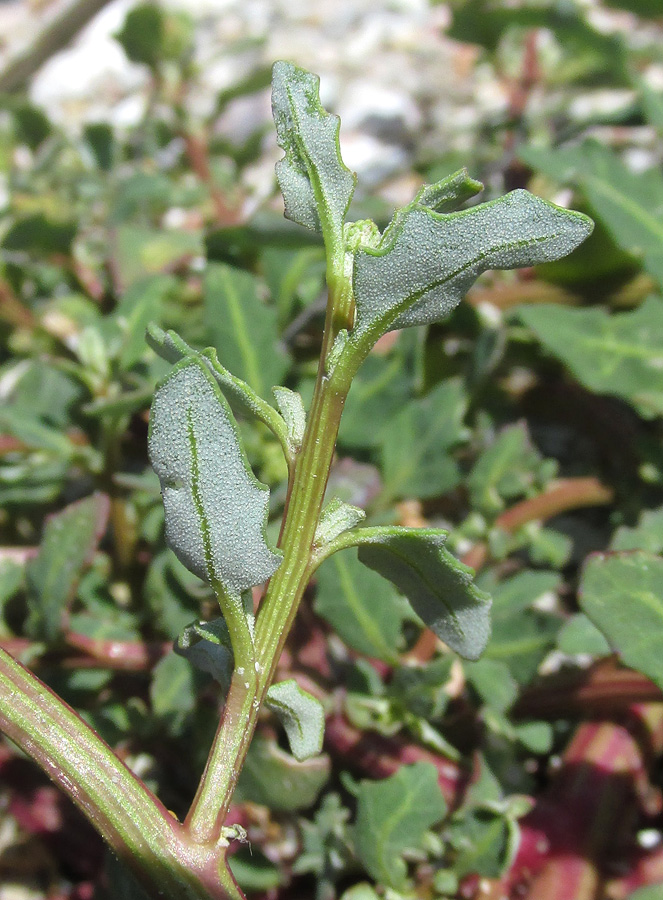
(416, 459)
(364, 610)
(241, 397)
(243, 328)
(649, 892)
(317, 186)
(67, 547)
(207, 646)
(393, 816)
(273, 778)
(622, 593)
(379, 391)
(301, 715)
(140, 252)
(646, 535)
(291, 407)
(172, 692)
(629, 204)
(439, 588)
(140, 305)
(335, 518)
(215, 508)
(617, 354)
(493, 682)
(521, 635)
(427, 261)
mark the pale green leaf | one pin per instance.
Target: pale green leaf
(301, 715)
(138, 306)
(172, 691)
(215, 508)
(241, 397)
(622, 593)
(393, 816)
(619, 354)
(292, 409)
(207, 646)
(336, 517)
(317, 186)
(275, 779)
(243, 328)
(646, 535)
(427, 261)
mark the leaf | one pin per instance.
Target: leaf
(207, 646)
(140, 252)
(172, 692)
(439, 587)
(70, 538)
(335, 518)
(622, 593)
(242, 327)
(646, 535)
(617, 354)
(140, 305)
(362, 607)
(301, 715)
(215, 508)
(493, 682)
(392, 816)
(273, 778)
(416, 459)
(292, 409)
(317, 186)
(629, 204)
(427, 261)
(521, 634)
(241, 397)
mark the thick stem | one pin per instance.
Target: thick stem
(128, 816)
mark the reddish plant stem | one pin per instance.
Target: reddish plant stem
(198, 153)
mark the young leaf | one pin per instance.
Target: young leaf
(427, 261)
(622, 593)
(292, 409)
(317, 186)
(392, 816)
(301, 715)
(617, 354)
(215, 508)
(241, 397)
(335, 518)
(70, 539)
(439, 587)
(207, 646)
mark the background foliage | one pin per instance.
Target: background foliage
(528, 423)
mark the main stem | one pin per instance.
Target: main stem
(279, 606)
(128, 816)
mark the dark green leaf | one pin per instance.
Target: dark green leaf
(243, 328)
(361, 606)
(70, 539)
(172, 692)
(416, 459)
(393, 816)
(207, 646)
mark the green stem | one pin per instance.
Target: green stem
(139, 829)
(279, 606)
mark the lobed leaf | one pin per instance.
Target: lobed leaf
(392, 816)
(427, 261)
(215, 508)
(316, 184)
(301, 715)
